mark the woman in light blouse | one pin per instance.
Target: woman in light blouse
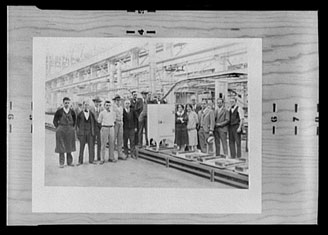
(191, 127)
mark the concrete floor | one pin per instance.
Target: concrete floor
(129, 173)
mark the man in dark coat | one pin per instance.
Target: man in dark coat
(130, 121)
(96, 109)
(142, 119)
(222, 120)
(64, 121)
(136, 106)
(235, 128)
(85, 126)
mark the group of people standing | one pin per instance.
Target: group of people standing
(196, 123)
(110, 124)
(114, 125)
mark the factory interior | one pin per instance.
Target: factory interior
(171, 73)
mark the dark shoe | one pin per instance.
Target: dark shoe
(101, 162)
(71, 165)
(94, 163)
(79, 164)
(61, 166)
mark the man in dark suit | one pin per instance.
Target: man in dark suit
(130, 121)
(96, 109)
(222, 119)
(143, 119)
(206, 126)
(235, 128)
(136, 106)
(85, 125)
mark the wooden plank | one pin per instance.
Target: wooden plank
(186, 168)
(152, 159)
(230, 182)
(193, 168)
(223, 175)
(290, 76)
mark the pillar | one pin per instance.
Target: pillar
(168, 48)
(135, 58)
(119, 74)
(221, 90)
(111, 75)
(152, 66)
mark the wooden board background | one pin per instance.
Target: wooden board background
(290, 76)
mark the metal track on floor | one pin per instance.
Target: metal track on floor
(212, 173)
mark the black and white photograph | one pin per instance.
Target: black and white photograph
(159, 116)
(152, 114)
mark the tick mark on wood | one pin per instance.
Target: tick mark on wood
(273, 130)
(10, 116)
(274, 107)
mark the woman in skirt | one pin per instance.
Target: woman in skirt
(191, 127)
(181, 133)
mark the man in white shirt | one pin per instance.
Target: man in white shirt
(118, 127)
(235, 128)
(107, 119)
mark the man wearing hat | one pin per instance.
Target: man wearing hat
(96, 109)
(136, 106)
(118, 127)
(143, 118)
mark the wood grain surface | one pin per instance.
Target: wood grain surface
(290, 76)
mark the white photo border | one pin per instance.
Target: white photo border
(47, 199)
